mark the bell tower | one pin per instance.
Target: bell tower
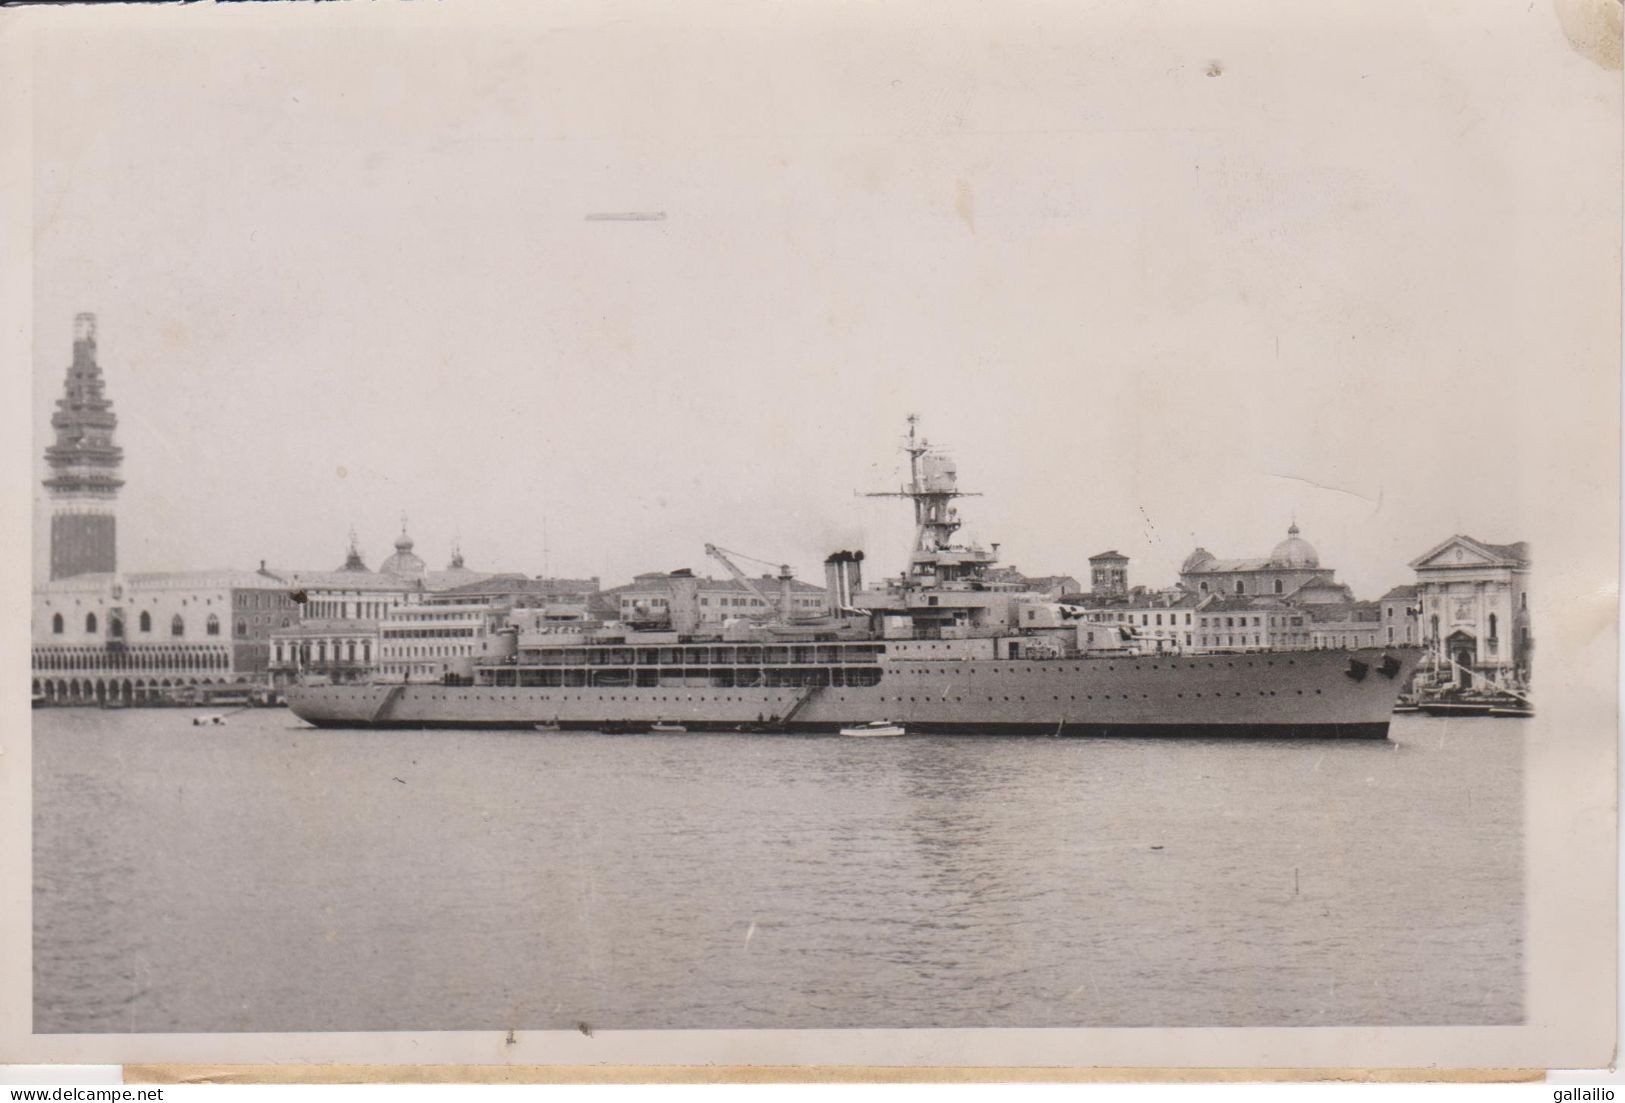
(84, 461)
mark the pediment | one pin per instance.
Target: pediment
(1458, 551)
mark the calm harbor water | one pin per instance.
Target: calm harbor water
(267, 876)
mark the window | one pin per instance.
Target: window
(56, 624)
(146, 621)
(90, 622)
(1241, 587)
(1523, 600)
(1492, 627)
(1204, 587)
(116, 627)
(1278, 586)
(242, 628)
(212, 627)
(177, 627)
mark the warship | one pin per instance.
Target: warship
(945, 646)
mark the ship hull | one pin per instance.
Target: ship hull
(1292, 695)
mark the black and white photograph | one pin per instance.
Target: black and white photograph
(802, 534)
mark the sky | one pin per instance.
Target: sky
(1158, 275)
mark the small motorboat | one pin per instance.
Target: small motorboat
(665, 727)
(874, 728)
(208, 720)
(549, 726)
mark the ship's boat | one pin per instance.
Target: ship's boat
(208, 720)
(947, 646)
(874, 728)
(664, 727)
(1518, 712)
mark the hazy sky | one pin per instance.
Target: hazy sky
(1160, 274)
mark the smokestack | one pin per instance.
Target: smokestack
(843, 577)
(684, 602)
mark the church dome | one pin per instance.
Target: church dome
(1294, 551)
(1195, 559)
(403, 564)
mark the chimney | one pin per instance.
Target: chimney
(684, 602)
(843, 577)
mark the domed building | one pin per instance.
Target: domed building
(403, 564)
(1294, 552)
(1291, 570)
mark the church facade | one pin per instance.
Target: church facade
(1474, 604)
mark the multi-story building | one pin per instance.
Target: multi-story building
(1400, 617)
(1108, 574)
(425, 642)
(1474, 602)
(339, 632)
(1250, 624)
(1148, 623)
(336, 649)
(1292, 565)
(134, 638)
(1345, 624)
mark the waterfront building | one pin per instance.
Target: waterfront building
(1474, 603)
(134, 638)
(1345, 624)
(84, 461)
(1249, 624)
(1400, 616)
(422, 642)
(339, 631)
(1148, 622)
(336, 649)
(1108, 574)
(1292, 565)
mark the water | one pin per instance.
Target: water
(266, 876)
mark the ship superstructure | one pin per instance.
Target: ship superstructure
(941, 647)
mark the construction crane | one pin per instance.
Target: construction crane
(786, 575)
